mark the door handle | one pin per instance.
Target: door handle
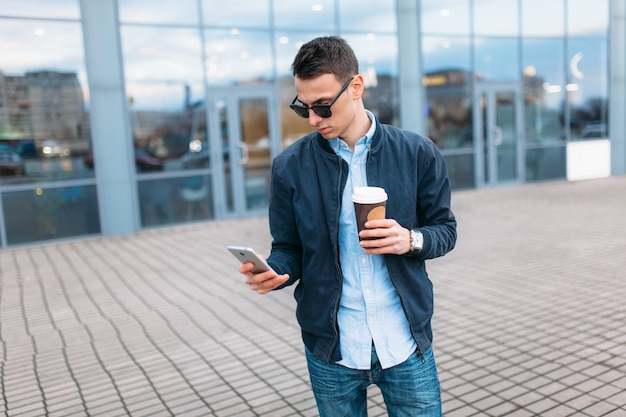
(244, 153)
(497, 135)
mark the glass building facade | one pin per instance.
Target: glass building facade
(510, 83)
(121, 115)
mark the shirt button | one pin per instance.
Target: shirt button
(363, 260)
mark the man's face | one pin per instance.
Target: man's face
(322, 90)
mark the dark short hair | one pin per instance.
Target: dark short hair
(325, 55)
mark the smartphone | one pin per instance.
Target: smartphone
(245, 254)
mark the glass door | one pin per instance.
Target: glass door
(243, 131)
(498, 127)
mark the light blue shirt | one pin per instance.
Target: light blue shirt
(369, 309)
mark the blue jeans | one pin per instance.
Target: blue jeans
(409, 389)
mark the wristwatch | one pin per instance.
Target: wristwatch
(417, 241)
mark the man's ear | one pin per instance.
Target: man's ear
(358, 87)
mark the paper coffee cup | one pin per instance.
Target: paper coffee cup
(369, 204)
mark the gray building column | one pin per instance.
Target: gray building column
(110, 127)
(617, 86)
(412, 96)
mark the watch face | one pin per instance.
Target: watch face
(416, 241)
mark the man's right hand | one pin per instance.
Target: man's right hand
(263, 282)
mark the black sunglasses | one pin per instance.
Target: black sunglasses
(322, 110)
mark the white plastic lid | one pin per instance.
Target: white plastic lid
(369, 195)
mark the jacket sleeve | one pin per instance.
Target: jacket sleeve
(435, 218)
(286, 253)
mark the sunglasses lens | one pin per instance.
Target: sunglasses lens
(300, 110)
(322, 111)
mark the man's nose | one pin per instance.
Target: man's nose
(314, 119)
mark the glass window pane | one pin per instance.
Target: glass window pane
(506, 135)
(287, 45)
(452, 52)
(545, 163)
(318, 15)
(237, 57)
(163, 72)
(50, 213)
(588, 18)
(175, 200)
(445, 17)
(447, 79)
(44, 124)
(236, 13)
(379, 16)
(170, 132)
(378, 62)
(544, 85)
(155, 53)
(256, 160)
(496, 59)
(460, 170)
(158, 11)
(587, 90)
(496, 17)
(543, 18)
(224, 113)
(50, 9)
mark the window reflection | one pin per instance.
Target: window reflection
(256, 158)
(50, 213)
(496, 59)
(447, 79)
(378, 62)
(587, 93)
(380, 15)
(172, 133)
(318, 15)
(165, 92)
(543, 18)
(236, 13)
(460, 170)
(166, 54)
(544, 86)
(588, 18)
(175, 200)
(44, 124)
(158, 11)
(545, 164)
(57, 9)
(237, 57)
(12, 164)
(287, 45)
(486, 22)
(505, 139)
(445, 17)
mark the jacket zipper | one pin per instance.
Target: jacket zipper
(337, 263)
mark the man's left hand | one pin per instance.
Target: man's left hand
(385, 236)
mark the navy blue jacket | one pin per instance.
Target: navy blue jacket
(308, 179)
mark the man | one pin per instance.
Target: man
(364, 306)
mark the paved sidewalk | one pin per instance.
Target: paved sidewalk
(529, 320)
